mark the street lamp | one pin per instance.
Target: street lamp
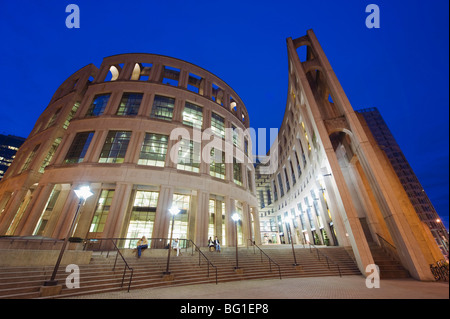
(173, 211)
(83, 193)
(287, 221)
(236, 219)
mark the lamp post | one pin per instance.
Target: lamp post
(236, 219)
(287, 221)
(173, 211)
(83, 193)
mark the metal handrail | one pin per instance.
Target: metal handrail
(200, 253)
(261, 253)
(124, 268)
(164, 245)
(328, 259)
(388, 247)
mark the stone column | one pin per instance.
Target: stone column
(162, 218)
(35, 209)
(66, 215)
(230, 225)
(120, 201)
(87, 213)
(11, 209)
(57, 210)
(202, 219)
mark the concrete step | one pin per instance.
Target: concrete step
(98, 276)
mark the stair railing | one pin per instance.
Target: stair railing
(124, 268)
(252, 243)
(328, 259)
(201, 254)
(161, 243)
(388, 248)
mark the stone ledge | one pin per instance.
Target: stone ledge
(31, 258)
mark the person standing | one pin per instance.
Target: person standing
(176, 246)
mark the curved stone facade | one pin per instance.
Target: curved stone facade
(328, 182)
(145, 132)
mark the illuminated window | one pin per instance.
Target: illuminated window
(193, 115)
(50, 154)
(237, 172)
(235, 135)
(101, 211)
(217, 166)
(239, 224)
(129, 105)
(115, 147)
(162, 108)
(189, 156)
(71, 114)
(47, 212)
(212, 214)
(154, 149)
(218, 125)
(180, 229)
(142, 216)
(224, 237)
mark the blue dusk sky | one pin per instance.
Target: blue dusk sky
(402, 68)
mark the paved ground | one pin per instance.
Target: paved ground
(347, 287)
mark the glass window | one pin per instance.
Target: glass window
(288, 186)
(237, 172)
(212, 214)
(101, 211)
(46, 213)
(98, 105)
(218, 125)
(53, 118)
(154, 149)
(50, 154)
(189, 156)
(180, 228)
(30, 158)
(224, 237)
(275, 192)
(129, 105)
(299, 169)
(115, 147)
(280, 182)
(193, 115)
(269, 197)
(79, 147)
(142, 216)
(71, 114)
(235, 135)
(217, 167)
(245, 146)
(239, 225)
(162, 108)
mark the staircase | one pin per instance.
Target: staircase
(98, 276)
(389, 267)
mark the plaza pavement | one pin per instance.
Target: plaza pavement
(346, 287)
